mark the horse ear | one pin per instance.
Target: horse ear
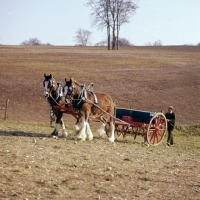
(50, 75)
(44, 75)
(65, 80)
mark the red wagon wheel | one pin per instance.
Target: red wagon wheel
(156, 129)
(120, 129)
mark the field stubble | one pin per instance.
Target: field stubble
(35, 166)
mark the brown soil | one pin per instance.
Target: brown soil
(143, 78)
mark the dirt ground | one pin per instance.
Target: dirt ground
(34, 166)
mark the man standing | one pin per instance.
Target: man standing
(170, 116)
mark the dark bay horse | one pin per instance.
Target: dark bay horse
(90, 104)
(54, 94)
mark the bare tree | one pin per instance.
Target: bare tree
(83, 37)
(31, 41)
(157, 43)
(111, 14)
(101, 16)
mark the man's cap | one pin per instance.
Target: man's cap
(170, 107)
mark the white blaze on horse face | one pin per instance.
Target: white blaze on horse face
(45, 88)
(65, 91)
(61, 93)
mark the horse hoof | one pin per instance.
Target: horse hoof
(111, 140)
(54, 134)
(81, 138)
(64, 134)
(76, 129)
(55, 137)
(101, 133)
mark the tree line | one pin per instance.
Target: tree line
(83, 39)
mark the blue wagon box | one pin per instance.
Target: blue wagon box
(136, 115)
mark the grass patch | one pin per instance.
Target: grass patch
(74, 188)
(192, 130)
(100, 191)
(66, 164)
(146, 179)
(127, 159)
(85, 158)
(57, 147)
(16, 170)
(65, 181)
(144, 188)
(54, 192)
(42, 183)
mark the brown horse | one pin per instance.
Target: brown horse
(54, 94)
(89, 103)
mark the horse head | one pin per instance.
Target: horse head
(49, 84)
(70, 88)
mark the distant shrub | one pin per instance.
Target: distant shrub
(156, 43)
(33, 42)
(121, 42)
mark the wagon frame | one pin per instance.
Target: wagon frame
(151, 125)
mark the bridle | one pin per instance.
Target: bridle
(53, 94)
(71, 92)
(49, 84)
(69, 89)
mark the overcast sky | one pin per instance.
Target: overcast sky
(174, 22)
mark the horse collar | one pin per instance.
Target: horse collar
(95, 98)
(83, 93)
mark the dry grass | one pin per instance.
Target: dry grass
(34, 166)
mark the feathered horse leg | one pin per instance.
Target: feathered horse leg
(82, 133)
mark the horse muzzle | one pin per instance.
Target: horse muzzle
(46, 94)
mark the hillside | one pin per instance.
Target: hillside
(143, 78)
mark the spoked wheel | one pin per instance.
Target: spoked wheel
(120, 130)
(157, 129)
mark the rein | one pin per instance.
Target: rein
(58, 94)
